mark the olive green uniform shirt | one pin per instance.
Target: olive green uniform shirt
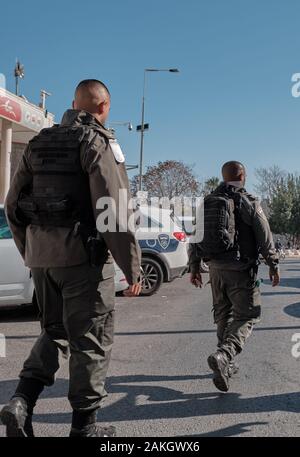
(59, 246)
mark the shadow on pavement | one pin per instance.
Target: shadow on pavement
(233, 430)
(185, 332)
(290, 282)
(279, 293)
(24, 313)
(179, 332)
(22, 337)
(144, 401)
(293, 310)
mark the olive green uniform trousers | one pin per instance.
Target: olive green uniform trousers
(236, 306)
(77, 318)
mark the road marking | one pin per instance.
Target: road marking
(296, 347)
(2, 345)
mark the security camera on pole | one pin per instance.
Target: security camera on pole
(19, 73)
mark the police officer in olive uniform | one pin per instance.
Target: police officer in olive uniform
(52, 211)
(234, 282)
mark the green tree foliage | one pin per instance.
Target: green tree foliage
(210, 185)
(282, 191)
(280, 211)
(295, 211)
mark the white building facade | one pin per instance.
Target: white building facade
(19, 122)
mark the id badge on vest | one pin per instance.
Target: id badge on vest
(117, 151)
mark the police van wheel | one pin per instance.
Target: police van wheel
(204, 268)
(152, 276)
(34, 303)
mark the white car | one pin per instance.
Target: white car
(16, 284)
(188, 224)
(164, 247)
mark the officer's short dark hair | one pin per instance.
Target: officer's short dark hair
(92, 82)
(232, 169)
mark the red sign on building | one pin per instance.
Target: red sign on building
(10, 109)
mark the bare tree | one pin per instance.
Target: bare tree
(168, 179)
(269, 181)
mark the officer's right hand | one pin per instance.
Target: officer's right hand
(196, 279)
(134, 290)
(274, 278)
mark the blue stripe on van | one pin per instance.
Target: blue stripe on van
(156, 246)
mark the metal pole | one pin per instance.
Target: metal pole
(43, 99)
(5, 151)
(17, 85)
(142, 135)
(172, 70)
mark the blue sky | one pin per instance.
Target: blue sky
(231, 100)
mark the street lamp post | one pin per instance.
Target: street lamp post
(124, 124)
(170, 70)
(19, 73)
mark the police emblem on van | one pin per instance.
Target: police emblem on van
(164, 240)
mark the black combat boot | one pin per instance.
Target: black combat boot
(218, 362)
(233, 369)
(93, 431)
(16, 418)
(84, 425)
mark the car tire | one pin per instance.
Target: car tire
(152, 276)
(34, 303)
(204, 268)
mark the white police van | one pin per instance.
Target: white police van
(16, 284)
(188, 225)
(164, 247)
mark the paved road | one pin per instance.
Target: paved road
(159, 382)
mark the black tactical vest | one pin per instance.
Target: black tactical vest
(59, 194)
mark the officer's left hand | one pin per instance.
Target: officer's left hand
(133, 291)
(275, 278)
(196, 279)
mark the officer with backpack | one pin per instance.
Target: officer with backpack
(236, 231)
(52, 207)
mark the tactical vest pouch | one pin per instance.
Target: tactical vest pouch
(27, 206)
(97, 251)
(45, 210)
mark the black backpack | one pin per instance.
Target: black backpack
(221, 215)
